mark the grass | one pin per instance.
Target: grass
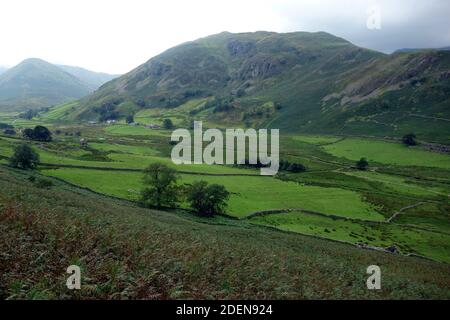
(130, 253)
(408, 240)
(126, 130)
(387, 153)
(249, 194)
(401, 184)
(316, 140)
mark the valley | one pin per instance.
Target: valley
(332, 200)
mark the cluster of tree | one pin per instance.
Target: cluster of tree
(39, 133)
(7, 129)
(29, 114)
(107, 110)
(162, 190)
(410, 139)
(24, 157)
(291, 167)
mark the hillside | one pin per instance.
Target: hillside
(133, 253)
(93, 79)
(2, 69)
(298, 82)
(35, 83)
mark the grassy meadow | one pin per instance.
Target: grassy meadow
(402, 200)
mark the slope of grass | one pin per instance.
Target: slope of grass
(407, 240)
(249, 194)
(387, 153)
(125, 252)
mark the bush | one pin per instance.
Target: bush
(207, 200)
(161, 191)
(24, 157)
(362, 164)
(168, 124)
(129, 119)
(43, 183)
(410, 139)
(10, 132)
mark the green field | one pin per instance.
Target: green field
(148, 254)
(316, 140)
(126, 130)
(408, 240)
(249, 194)
(387, 153)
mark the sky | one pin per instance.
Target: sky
(115, 36)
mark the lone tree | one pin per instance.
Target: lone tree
(24, 157)
(207, 200)
(161, 188)
(129, 119)
(362, 164)
(410, 139)
(168, 124)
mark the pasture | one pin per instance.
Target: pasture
(387, 153)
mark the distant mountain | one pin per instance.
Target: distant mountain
(93, 79)
(415, 50)
(3, 69)
(35, 83)
(298, 82)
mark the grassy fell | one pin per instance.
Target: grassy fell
(127, 252)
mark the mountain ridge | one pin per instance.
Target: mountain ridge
(315, 82)
(35, 83)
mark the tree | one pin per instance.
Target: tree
(168, 124)
(24, 157)
(28, 134)
(41, 133)
(207, 200)
(362, 164)
(410, 139)
(161, 186)
(129, 119)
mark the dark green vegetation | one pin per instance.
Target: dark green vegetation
(161, 189)
(35, 83)
(207, 200)
(24, 157)
(128, 252)
(39, 133)
(298, 82)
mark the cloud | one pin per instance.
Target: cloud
(117, 35)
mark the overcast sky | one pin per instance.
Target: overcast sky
(116, 36)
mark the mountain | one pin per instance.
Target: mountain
(35, 83)
(298, 82)
(412, 50)
(2, 69)
(91, 78)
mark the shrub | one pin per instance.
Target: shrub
(168, 124)
(362, 164)
(410, 139)
(43, 183)
(129, 119)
